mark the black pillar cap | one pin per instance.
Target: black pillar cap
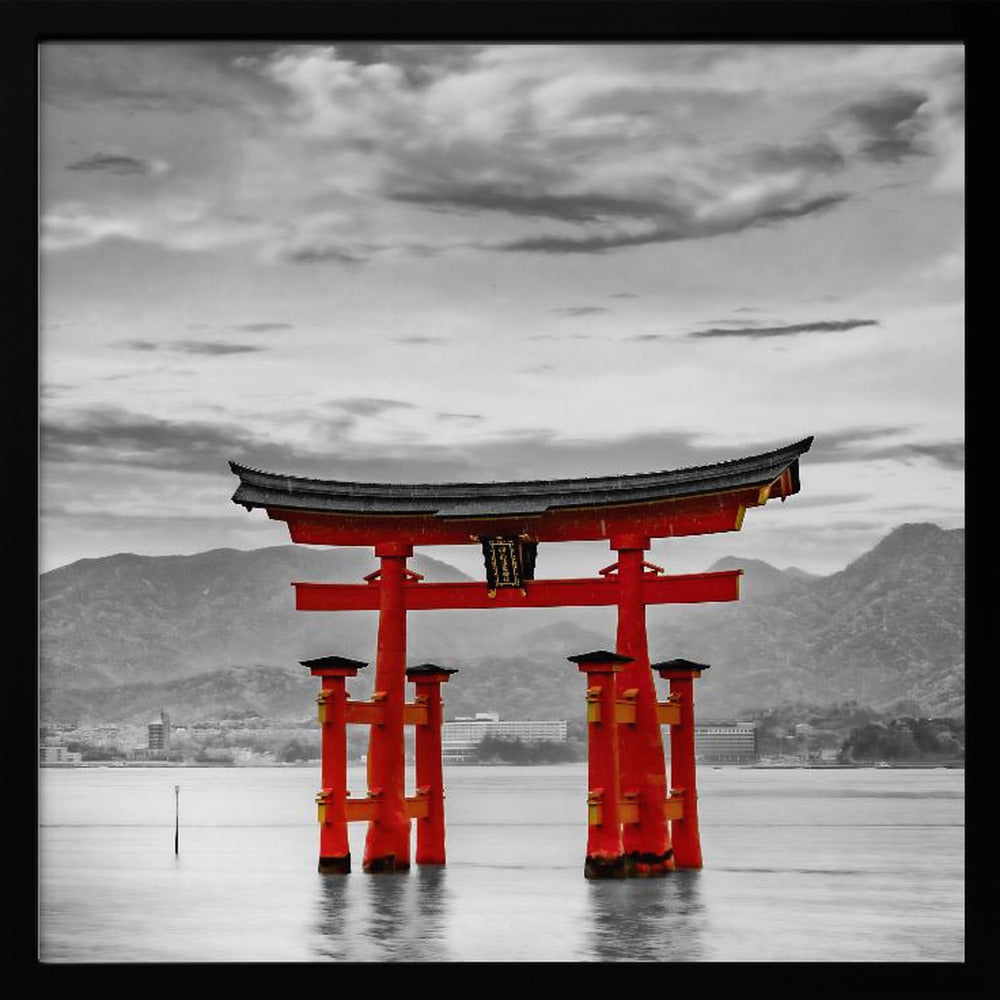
(679, 664)
(332, 661)
(600, 656)
(428, 668)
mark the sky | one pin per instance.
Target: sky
(430, 263)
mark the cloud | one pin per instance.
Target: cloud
(581, 310)
(890, 126)
(365, 406)
(820, 326)
(947, 454)
(110, 436)
(204, 347)
(212, 347)
(493, 198)
(461, 416)
(693, 222)
(260, 327)
(320, 253)
(862, 445)
(607, 146)
(120, 164)
(419, 340)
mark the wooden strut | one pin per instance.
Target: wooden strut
(335, 808)
(372, 713)
(616, 813)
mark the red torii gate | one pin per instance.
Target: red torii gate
(631, 814)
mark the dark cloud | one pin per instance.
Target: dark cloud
(890, 124)
(212, 347)
(260, 327)
(567, 207)
(370, 406)
(647, 337)
(849, 445)
(821, 326)
(948, 454)
(419, 340)
(820, 156)
(111, 163)
(154, 76)
(460, 416)
(581, 310)
(318, 253)
(209, 347)
(831, 499)
(670, 227)
(103, 436)
(862, 445)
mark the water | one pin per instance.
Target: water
(801, 865)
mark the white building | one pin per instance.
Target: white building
(459, 736)
(725, 742)
(58, 755)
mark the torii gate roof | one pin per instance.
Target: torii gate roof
(778, 469)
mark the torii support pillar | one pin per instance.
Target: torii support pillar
(648, 850)
(428, 678)
(683, 772)
(387, 844)
(605, 855)
(331, 802)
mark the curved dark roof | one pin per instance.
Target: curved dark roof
(446, 500)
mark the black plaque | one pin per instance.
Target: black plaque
(503, 563)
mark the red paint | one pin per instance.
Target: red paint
(683, 772)
(387, 845)
(657, 519)
(643, 768)
(334, 848)
(688, 588)
(604, 838)
(430, 773)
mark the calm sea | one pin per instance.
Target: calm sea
(800, 865)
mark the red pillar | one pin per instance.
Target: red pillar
(683, 771)
(334, 848)
(605, 856)
(428, 678)
(387, 844)
(647, 844)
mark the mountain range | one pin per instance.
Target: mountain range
(216, 633)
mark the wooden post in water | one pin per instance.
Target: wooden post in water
(177, 818)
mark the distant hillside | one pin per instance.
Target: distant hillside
(195, 635)
(126, 618)
(889, 626)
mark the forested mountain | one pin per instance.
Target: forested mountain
(200, 635)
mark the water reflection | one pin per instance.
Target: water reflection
(647, 920)
(391, 917)
(334, 899)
